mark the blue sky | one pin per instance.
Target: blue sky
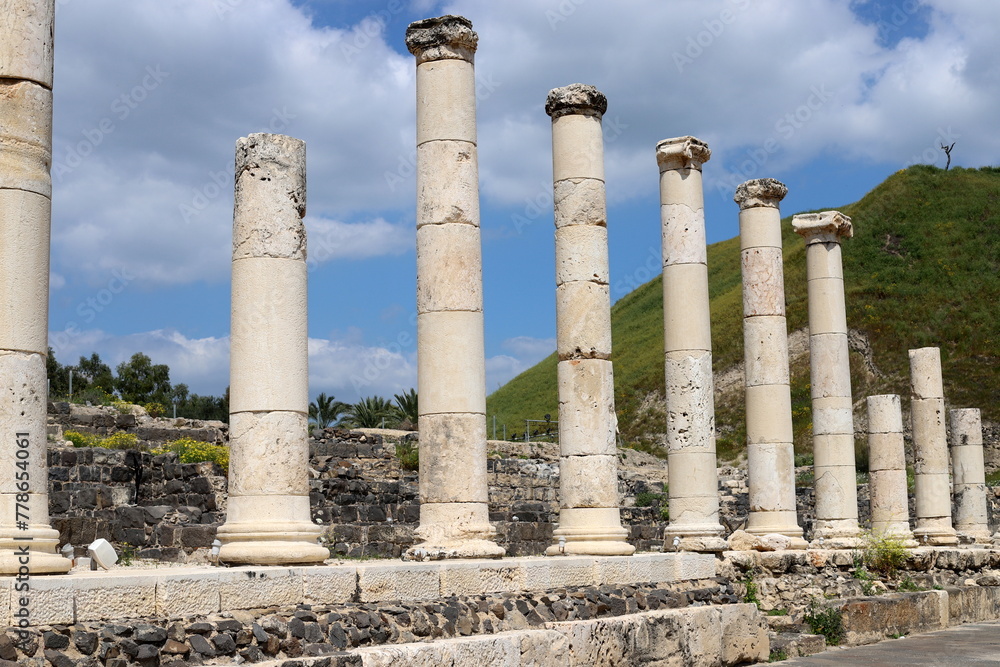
(826, 95)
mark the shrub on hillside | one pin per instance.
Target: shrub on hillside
(196, 451)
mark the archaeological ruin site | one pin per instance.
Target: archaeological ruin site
(318, 548)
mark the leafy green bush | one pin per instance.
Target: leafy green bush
(155, 409)
(196, 451)
(408, 454)
(647, 498)
(750, 592)
(828, 622)
(119, 441)
(81, 439)
(123, 407)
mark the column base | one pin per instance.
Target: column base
(701, 538)
(43, 551)
(836, 534)
(780, 522)
(260, 544)
(903, 535)
(934, 534)
(973, 536)
(38, 563)
(454, 530)
(590, 531)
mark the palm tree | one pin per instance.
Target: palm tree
(372, 412)
(325, 411)
(406, 403)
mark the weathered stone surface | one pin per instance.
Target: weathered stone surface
(443, 37)
(762, 192)
(576, 98)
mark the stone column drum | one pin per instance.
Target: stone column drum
(887, 469)
(693, 480)
(25, 216)
(770, 455)
(930, 450)
(836, 485)
(451, 370)
(589, 515)
(969, 471)
(268, 519)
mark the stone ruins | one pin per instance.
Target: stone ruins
(592, 595)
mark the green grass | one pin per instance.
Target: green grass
(923, 269)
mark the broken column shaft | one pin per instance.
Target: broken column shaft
(887, 469)
(770, 454)
(268, 518)
(932, 487)
(969, 469)
(451, 362)
(589, 515)
(693, 481)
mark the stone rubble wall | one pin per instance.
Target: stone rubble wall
(309, 631)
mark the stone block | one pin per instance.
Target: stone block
(446, 101)
(398, 581)
(112, 595)
(682, 229)
(744, 635)
(579, 201)
(254, 587)
(187, 594)
(26, 135)
(577, 147)
(477, 578)
(582, 254)
(587, 420)
(489, 651)
(269, 454)
(449, 268)
(583, 320)
(447, 183)
(30, 55)
(330, 585)
(684, 327)
(451, 364)
(452, 458)
(763, 282)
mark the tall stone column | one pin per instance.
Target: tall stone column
(836, 485)
(693, 480)
(25, 216)
(268, 519)
(451, 370)
(930, 449)
(969, 471)
(770, 454)
(589, 515)
(887, 469)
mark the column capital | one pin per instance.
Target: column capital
(576, 98)
(446, 37)
(760, 192)
(825, 227)
(682, 153)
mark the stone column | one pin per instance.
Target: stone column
(451, 370)
(836, 485)
(969, 470)
(930, 449)
(589, 515)
(693, 480)
(771, 457)
(887, 469)
(25, 215)
(268, 519)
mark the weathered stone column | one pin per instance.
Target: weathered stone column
(930, 449)
(25, 216)
(887, 469)
(268, 519)
(589, 515)
(693, 480)
(770, 454)
(969, 471)
(451, 361)
(836, 485)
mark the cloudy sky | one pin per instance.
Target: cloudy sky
(829, 96)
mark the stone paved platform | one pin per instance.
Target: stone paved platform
(972, 645)
(176, 592)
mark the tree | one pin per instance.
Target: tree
(94, 373)
(406, 403)
(57, 374)
(325, 411)
(947, 152)
(140, 381)
(372, 412)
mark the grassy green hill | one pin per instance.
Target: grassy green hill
(923, 269)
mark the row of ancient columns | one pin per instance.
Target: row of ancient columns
(268, 516)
